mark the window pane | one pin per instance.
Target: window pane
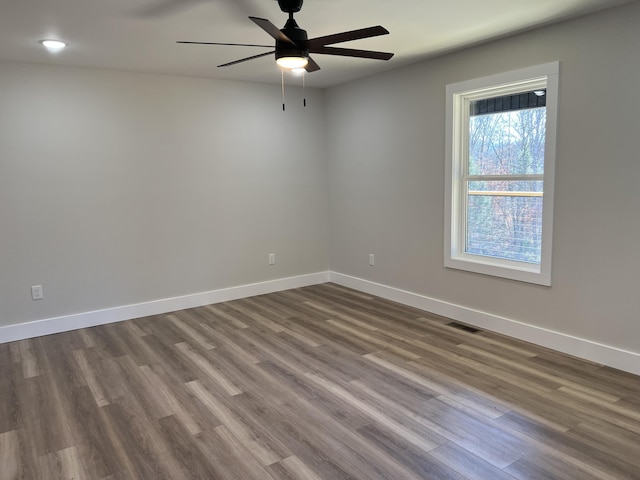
(504, 219)
(507, 143)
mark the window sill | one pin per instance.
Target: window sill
(528, 273)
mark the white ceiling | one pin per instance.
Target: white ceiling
(140, 35)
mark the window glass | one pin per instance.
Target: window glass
(507, 143)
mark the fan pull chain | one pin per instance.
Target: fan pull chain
(282, 72)
(304, 92)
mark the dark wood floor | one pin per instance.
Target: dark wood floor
(315, 383)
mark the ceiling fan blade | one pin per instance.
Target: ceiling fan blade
(312, 66)
(271, 29)
(245, 59)
(347, 36)
(350, 52)
(230, 44)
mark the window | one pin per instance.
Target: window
(500, 167)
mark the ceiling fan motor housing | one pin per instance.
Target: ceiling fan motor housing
(299, 38)
(290, 6)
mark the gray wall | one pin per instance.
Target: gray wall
(386, 155)
(118, 188)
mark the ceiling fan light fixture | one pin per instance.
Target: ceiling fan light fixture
(292, 62)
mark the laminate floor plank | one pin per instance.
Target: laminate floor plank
(193, 415)
(25, 464)
(304, 391)
(304, 428)
(8, 355)
(253, 318)
(104, 341)
(144, 394)
(147, 324)
(330, 359)
(137, 450)
(242, 464)
(407, 429)
(314, 383)
(62, 465)
(468, 359)
(249, 377)
(10, 377)
(91, 377)
(263, 452)
(408, 454)
(10, 461)
(190, 328)
(292, 468)
(224, 317)
(253, 410)
(549, 467)
(134, 345)
(484, 440)
(42, 413)
(570, 450)
(195, 462)
(553, 380)
(494, 396)
(28, 358)
(466, 463)
(210, 372)
(171, 357)
(98, 454)
(492, 342)
(291, 352)
(611, 439)
(232, 344)
(314, 435)
(441, 385)
(268, 309)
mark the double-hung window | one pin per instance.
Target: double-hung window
(500, 174)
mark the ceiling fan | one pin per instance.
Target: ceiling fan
(292, 47)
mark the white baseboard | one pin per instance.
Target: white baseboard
(578, 347)
(65, 323)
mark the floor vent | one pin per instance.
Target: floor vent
(465, 328)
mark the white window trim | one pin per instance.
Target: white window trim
(454, 255)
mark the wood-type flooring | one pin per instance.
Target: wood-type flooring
(314, 383)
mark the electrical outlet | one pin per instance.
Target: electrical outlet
(372, 259)
(272, 259)
(36, 292)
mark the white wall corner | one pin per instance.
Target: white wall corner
(561, 342)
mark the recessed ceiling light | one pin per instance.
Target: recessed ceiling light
(53, 45)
